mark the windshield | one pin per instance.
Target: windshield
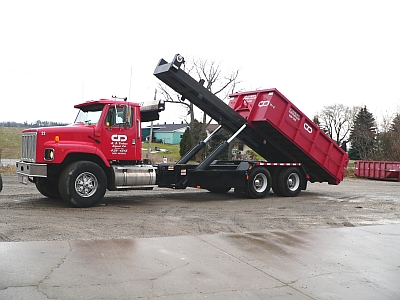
(89, 116)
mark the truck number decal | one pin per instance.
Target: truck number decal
(119, 138)
(307, 128)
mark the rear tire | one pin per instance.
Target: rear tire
(83, 184)
(1, 183)
(290, 181)
(48, 188)
(275, 185)
(259, 183)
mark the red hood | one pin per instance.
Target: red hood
(69, 139)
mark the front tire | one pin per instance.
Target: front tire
(259, 183)
(48, 188)
(83, 184)
(290, 182)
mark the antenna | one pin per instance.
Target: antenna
(83, 91)
(151, 130)
(130, 86)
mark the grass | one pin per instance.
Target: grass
(10, 146)
(10, 142)
(172, 153)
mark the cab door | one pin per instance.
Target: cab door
(121, 137)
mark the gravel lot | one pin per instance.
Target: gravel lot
(25, 215)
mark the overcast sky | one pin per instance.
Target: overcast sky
(54, 54)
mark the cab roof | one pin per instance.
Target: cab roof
(103, 102)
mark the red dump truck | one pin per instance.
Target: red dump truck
(101, 150)
(381, 170)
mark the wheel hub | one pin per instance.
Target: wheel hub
(260, 182)
(293, 182)
(86, 184)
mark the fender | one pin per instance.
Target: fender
(63, 149)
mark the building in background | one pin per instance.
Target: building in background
(165, 133)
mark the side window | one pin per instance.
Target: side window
(110, 119)
(115, 116)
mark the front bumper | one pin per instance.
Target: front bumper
(31, 169)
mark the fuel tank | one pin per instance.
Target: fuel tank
(133, 177)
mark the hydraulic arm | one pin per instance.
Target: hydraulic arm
(172, 75)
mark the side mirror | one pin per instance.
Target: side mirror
(127, 115)
(161, 105)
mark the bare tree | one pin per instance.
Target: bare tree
(389, 138)
(395, 137)
(336, 121)
(219, 83)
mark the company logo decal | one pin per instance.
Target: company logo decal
(119, 138)
(119, 144)
(263, 103)
(307, 128)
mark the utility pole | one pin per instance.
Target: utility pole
(151, 130)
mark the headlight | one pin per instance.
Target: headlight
(49, 154)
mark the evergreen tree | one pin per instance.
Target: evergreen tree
(363, 136)
(216, 140)
(395, 126)
(185, 145)
(190, 138)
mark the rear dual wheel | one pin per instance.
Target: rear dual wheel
(259, 183)
(289, 182)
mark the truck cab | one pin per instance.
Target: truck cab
(117, 130)
(101, 150)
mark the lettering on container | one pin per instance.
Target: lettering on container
(294, 115)
(249, 98)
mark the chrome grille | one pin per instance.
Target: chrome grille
(28, 151)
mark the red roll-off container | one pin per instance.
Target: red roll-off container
(384, 170)
(282, 124)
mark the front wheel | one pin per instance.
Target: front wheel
(83, 184)
(259, 183)
(290, 181)
(48, 188)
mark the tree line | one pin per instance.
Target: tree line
(35, 124)
(355, 129)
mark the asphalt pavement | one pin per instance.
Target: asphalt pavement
(340, 263)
